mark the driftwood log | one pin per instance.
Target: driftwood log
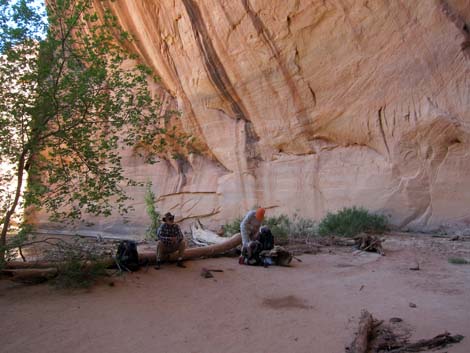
(363, 241)
(440, 341)
(146, 257)
(368, 242)
(360, 344)
(203, 236)
(202, 251)
(373, 337)
(30, 275)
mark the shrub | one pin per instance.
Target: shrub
(302, 227)
(281, 226)
(233, 227)
(152, 212)
(79, 265)
(75, 273)
(349, 222)
(458, 261)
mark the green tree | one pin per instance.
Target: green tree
(152, 212)
(71, 98)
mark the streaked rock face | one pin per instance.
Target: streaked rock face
(310, 106)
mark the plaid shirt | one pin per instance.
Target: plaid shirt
(169, 234)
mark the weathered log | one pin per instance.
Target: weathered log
(203, 236)
(361, 340)
(203, 251)
(371, 243)
(149, 257)
(18, 265)
(370, 338)
(31, 275)
(337, 241)
(439, 341)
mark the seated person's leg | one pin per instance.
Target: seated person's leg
(253, 250)
(181, 247)
(159, 253)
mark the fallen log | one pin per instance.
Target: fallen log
(18, 265)
(374, 337)
(31, 275)
(360, 343)
(146, 258)
(202, 251)
(371, 243)
(203, 236)
(439, 341)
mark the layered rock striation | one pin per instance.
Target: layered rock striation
(309, 106)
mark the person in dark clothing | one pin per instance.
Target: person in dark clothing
(169, 240)
(266, 238)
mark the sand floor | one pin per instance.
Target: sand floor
(312, 306)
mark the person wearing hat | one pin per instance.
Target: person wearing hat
(169, 240)
(249, 228)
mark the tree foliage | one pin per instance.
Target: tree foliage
(71, 98)
(152, 212)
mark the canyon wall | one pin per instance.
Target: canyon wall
(307, 107)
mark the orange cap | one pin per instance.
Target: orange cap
(260, 213)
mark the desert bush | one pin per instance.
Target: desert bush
(302, 227)
(152, 212)
(79, 265)
(349, 222)
(232, 227)
(282, 227)
(458, 261)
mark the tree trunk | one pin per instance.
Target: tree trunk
(11, 211)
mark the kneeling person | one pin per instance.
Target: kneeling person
(169, 240)
(249, 229)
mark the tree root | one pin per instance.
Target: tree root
(373, 336)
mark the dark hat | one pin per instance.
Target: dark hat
(168, 217)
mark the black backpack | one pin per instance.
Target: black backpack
(127, 257)
(266, 238)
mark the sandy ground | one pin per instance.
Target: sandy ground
(313, 306)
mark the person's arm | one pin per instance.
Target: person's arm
(159, 231)
(256, 228)
(245, 227)
(179, 235)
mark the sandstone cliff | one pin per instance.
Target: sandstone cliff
(310, 106)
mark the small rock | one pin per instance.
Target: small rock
(206, 273)
(415, 267)
(412, 305)
(396, 319)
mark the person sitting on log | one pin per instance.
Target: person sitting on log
(249, 228)
(169, 240)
